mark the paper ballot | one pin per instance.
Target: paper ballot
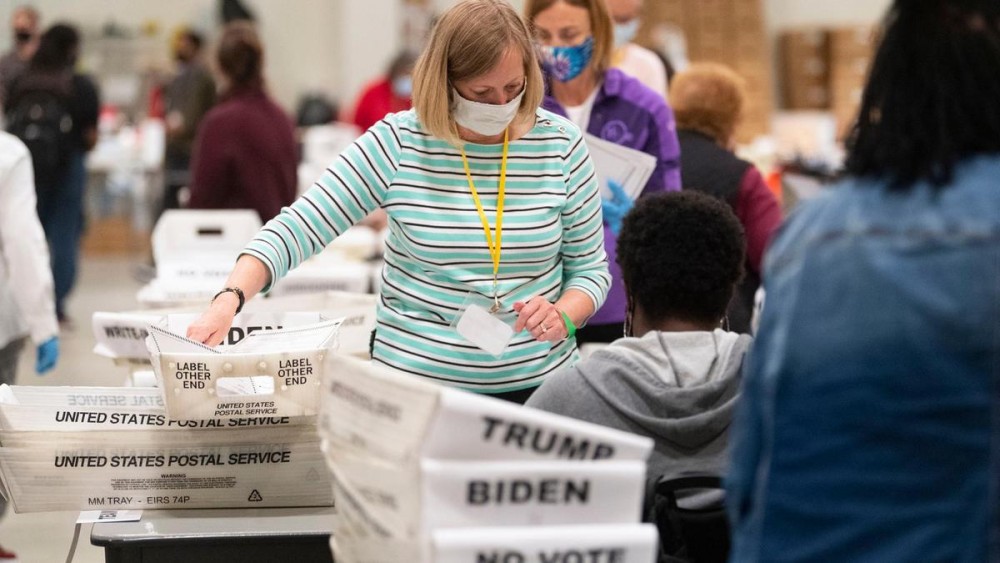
(163, 342)
(266, 341)
(311, 337)
(269, 373)
(246, 323)
(401, 418)
(121, 336)
(629, 167)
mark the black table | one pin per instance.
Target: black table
(260, 535)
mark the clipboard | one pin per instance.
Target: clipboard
(629, 167)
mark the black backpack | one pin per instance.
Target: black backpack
(42, 120)
(688, 535)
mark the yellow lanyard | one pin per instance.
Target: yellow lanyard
(493, 243)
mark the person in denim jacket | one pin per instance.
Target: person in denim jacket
(869, 428)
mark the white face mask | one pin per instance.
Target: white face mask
(485, 119)
(626, 32)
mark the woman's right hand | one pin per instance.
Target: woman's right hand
(213, 325)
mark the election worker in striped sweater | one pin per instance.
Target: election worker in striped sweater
(495, 251)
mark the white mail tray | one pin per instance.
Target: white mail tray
(268, 373)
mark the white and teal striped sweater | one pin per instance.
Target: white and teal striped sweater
(436, 252)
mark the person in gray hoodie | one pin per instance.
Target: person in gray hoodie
(675, 376)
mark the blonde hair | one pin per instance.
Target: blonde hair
(468, 41)
(600, 27)
(708, 98)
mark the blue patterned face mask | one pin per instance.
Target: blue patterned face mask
(566, 63)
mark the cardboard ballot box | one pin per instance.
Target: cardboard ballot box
(618, 543)
(396, 417)
(411, 459)
(268, 373)
(600, 543)
(393, 501)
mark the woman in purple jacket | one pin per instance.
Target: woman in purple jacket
(576, 39)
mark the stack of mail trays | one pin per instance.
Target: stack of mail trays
(426, 473)
(227, 427)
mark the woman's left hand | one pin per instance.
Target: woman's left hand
(541, 319)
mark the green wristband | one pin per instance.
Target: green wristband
(570, 327)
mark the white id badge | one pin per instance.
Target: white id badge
(487, 331)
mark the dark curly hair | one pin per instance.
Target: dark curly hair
(932, 94)
(681, 256)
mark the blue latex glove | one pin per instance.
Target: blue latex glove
(614, 209)
(48, 355)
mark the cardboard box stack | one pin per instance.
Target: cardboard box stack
(805, 66)
(844, 54)
(425, 473)
(851, 51)
(731, 32)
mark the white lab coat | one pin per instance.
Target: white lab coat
(27, 301)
